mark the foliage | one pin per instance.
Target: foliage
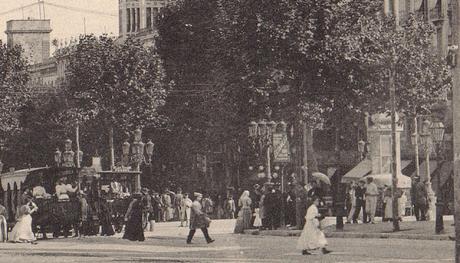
(14, 89)
(121, 85)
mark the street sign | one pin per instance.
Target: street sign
(281, 148)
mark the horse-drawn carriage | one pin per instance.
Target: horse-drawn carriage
(103, 196)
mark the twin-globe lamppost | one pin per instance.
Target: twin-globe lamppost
(262, 134)
(67, 158)
(432, 133)
(137, 156)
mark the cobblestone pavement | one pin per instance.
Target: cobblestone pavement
(167, 244)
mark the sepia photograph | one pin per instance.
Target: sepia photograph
(229, 131)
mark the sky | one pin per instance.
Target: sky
(65, 23)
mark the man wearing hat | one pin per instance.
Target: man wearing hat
(198, 219)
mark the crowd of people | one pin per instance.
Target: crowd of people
(363, 197)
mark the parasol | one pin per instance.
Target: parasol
(322, 177)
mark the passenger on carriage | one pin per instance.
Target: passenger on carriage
(39, 192)
(63, 190)
(117, 188)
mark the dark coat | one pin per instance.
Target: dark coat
(198, 219)
(421, 194)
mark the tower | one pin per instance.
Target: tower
(138, 15)
(33, 35)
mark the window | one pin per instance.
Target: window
(138, 19)
(154, 15)
(133, 23)
(149, 17)
(128, 20)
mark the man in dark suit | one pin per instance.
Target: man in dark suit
(360, 192)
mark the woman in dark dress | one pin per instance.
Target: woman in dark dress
(106, 218)
(133, 219)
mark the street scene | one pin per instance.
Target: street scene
(230, 131)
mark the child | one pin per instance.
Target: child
(257, 220)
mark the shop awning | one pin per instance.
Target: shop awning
(433, 166)
(359, 171)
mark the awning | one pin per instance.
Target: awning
(17, 177)
(433, 166)
(359, 171)
(387, 179)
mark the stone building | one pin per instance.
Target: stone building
(32, 35)
(138, 18)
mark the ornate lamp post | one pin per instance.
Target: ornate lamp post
(426, 141)
(137, 153)
(437, 132)
(361, 149)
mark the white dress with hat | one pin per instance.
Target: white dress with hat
(257, 220)
(311, 237)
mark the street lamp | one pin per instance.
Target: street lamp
(437, 132)
(426, 141)
(149, 150)
(361, 149)
(137, 153)
(57, 157)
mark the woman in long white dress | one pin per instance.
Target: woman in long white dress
(22, 231)
(312, 237)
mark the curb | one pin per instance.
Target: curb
(351, 235)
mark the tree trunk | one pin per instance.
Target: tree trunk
(112, 150)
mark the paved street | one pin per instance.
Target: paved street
(167, 244)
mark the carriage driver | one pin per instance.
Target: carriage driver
(63, 189)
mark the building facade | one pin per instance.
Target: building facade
(138, 17)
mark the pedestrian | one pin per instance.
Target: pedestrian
(3, 224)
(421, 200)
(272, 206)
(133, 219)
(22, 230)
(360, 190)
(187, 209)
(230, 207)
(257, 220)
(198, 219)
(300, 194)
(352, 201)
(208, 205)
(388, 201)
(220, 213)
(245, 209)
(372, 193)
(167, 205)
(156, 210)
(105, 218)
(178, 205)
(312, 237)
(402, 200)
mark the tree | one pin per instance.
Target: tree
(120, 86)
(14, 89)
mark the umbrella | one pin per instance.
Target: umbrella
(322, 177)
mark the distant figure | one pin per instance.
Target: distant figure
(186, 205)
(177, 205)
(245, 209)
(230, 208)
(167, 205)
(257, 220)
(360, 190)
(312, 237)
(352, 199)
(421, 201)
(133, 219)
(208, 205)
(372, 194)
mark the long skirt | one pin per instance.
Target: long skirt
(246, 216)
(134, 231)
(3, 229)
(22, 231)
(311, 237)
